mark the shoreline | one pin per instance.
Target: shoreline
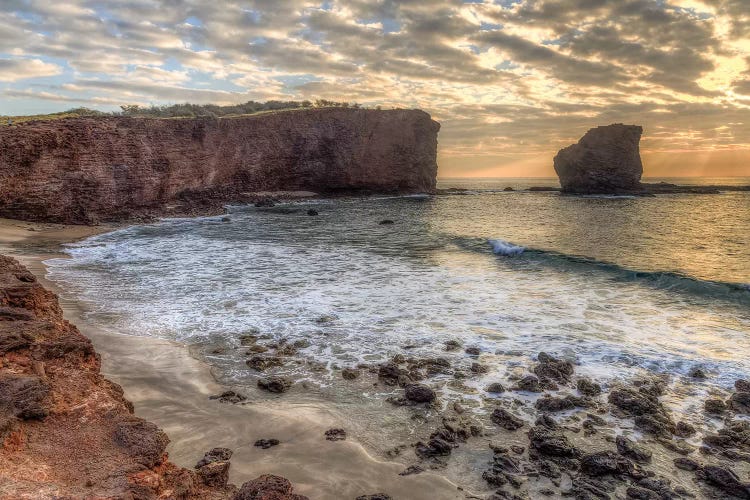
(171, 388)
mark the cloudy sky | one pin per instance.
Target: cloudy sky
(511, 81)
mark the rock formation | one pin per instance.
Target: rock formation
(86, 170)
(606, 160)
(67, 432)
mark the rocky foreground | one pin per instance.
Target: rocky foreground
(553, 433)
(67, 432)
(104, 169)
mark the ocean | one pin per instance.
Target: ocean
(619, 285)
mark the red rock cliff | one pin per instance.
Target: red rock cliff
(67, 432)
(83, 170)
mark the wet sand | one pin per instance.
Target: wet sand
(171, 388)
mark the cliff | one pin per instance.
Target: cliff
(85, 170)
(606, 160)
(67, 432)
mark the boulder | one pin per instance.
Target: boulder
(605, 160)
(419, 393)
(144, 441)
(215, 455)
(506, 420)
(553, 368)
(268, 487)
(215, 474)
(335, 434)
(23, 396)
(631, 449)
(275, 384)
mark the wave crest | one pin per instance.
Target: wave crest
(502, 247)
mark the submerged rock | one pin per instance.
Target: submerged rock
(412, 469)
(349, 373)
(554, 404)
(605, 462)
(266, 443)
(725, 479)
(452, 345)
(740, 402)
(605, 160)
(262, 363)
(530, 383)
(506, 420)
(553, 368)
(275, 384)
(390, 373)
(715, 406)
(631, 449)
(551, 442)
(587, 387)
(229, 397)
(495, 388)
(435, 447)
(335, 434)
(419, 393)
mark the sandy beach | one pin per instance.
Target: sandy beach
(171, 388)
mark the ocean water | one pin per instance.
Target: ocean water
(619, 285)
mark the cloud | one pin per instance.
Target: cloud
(13, 70)
(508, 79)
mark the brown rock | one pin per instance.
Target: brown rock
(553, 368)
(215, 474)
(335, 434)
(144, 441)
(214, 455)
(84, 170)
(506, 420)
(606, 160)
(23, 396)
(275, 384)
(268, 487)
(419, 393)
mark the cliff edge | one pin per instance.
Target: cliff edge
(606, 160)
(67, 432)
(87, 170)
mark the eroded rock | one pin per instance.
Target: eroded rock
(605, 160)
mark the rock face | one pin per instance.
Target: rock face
(86, 170)
(606, 160)
(67, 432)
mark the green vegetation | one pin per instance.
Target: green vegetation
(71, 113)
(186, 110)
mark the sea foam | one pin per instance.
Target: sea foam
(502, 247)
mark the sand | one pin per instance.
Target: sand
(171, 388)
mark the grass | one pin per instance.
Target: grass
(146, 113)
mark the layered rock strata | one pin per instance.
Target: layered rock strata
(86, 170)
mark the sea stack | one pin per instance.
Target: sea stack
(606, 160)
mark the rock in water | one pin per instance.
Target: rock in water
(606, 160)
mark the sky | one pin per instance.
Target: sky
(511, 81)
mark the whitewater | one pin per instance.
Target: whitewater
(620, 286)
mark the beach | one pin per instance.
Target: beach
(171, 388)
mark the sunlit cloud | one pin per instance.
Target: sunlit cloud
(511, 82)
